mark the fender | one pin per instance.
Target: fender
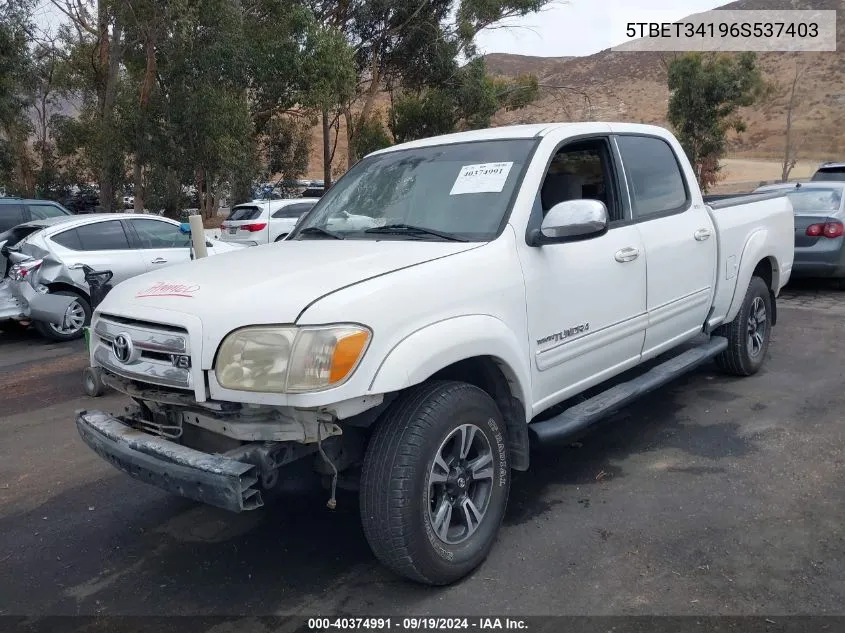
(433, 347)
(752, 254)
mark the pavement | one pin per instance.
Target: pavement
(712, 496)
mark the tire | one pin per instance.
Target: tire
(409, 520)
(55, 333)
(92, 382)
(744, 357)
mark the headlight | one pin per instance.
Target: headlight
(290, 359)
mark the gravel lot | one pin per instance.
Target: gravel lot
(714, 495)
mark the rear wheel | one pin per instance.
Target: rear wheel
(749, 333)
(435, 482)
(79, 315)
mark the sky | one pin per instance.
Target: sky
(563, 28)
(580, 27)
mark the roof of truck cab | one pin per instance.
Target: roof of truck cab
(528, 131)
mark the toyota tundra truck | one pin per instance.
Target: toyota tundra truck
(448, 305)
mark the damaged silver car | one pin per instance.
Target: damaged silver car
(44, 260)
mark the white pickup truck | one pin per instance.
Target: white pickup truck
(431, 319)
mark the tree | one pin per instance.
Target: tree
(16, 168)
(408, 45)
(706, 92)
(790, 150)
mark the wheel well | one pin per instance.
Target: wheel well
(765, 270)
(488, 374)
(57, 286)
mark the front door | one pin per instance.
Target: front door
(586, 299)
(161, 243)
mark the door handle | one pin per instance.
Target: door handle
(159, 260)
(702, 234)
(626, 255)
(75, 266)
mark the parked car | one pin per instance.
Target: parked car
(51, 257)
(819, 233)
(432, 319)
(84, 200)
(830, 171)
(14, 211)
(264, 221)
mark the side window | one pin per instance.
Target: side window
(654, 176)
(43, 211)
(158, 234)
(68, 239)
(103, 236)
(293, 210)
(10, 215)
(581, 170)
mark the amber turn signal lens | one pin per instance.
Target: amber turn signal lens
(346, 354)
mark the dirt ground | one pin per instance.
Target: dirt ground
(712, 496)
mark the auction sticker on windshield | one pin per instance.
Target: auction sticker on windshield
(481, 178)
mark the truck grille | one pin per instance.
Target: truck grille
(142, 351)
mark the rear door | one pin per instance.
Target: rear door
(160, 243)
(679, 238)
(103, 245)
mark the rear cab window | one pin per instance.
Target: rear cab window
(655, 180)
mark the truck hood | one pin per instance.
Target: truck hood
(267, 284)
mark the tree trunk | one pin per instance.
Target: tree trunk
(327, 154)
(138, 181)
(109, 163)
(350, 140)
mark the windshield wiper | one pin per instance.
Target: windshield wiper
(319, 230)
(409, 229)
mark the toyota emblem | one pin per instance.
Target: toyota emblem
(122, 348)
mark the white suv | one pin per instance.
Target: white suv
(264, 221)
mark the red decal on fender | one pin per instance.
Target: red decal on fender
(164, 289)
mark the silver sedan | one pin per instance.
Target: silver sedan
(50, 257)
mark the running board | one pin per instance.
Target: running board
(583, 414)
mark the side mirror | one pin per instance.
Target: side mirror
(573, 220)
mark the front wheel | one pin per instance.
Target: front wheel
(749, 333)
(435, 482)
(78, 316)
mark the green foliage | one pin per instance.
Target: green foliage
(288, 143)
(468, 100)
(372, 136)
(706, 93)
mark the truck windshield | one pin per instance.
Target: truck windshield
(457, 191)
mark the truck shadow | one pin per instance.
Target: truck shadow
(656, 422)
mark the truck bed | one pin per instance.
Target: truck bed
(747, 225)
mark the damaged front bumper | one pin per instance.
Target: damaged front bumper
(213, 479)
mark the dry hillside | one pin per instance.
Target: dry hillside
(631, 86)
